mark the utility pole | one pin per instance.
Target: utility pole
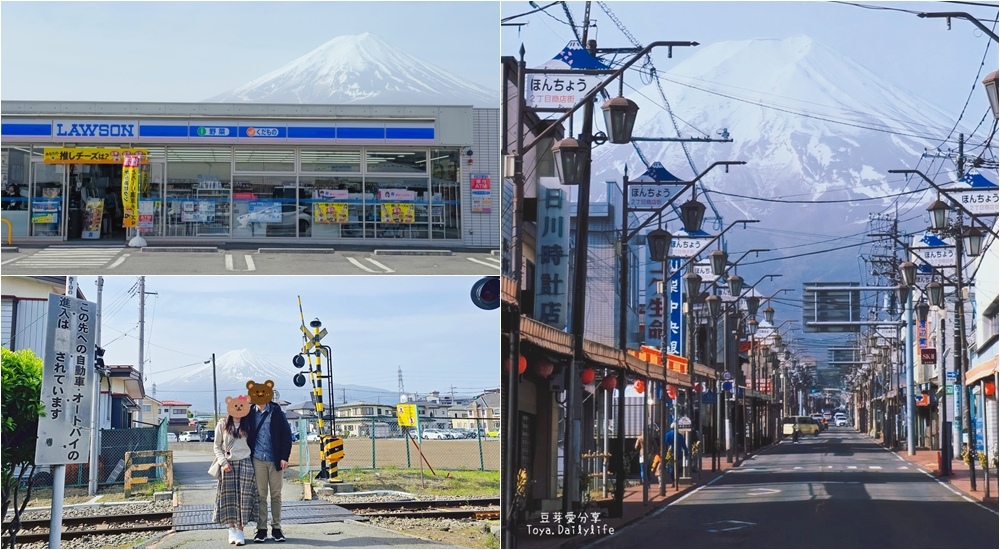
(142, 330)
(215, 391)
(95, 406)
(399, 371)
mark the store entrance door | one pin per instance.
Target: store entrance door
(95, 206)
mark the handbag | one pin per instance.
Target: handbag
(215, 470)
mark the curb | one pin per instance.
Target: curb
(10, 249)
(389, 252)
(296, 250)
(179, 249)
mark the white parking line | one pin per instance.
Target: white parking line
(250, 264)
(874, 467)
(903, 468)
(852, 467)
(229, 262)
(386, 268)
(361, 265)
(497, 267)
(118, 262)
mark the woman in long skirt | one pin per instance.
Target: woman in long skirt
(236, 499)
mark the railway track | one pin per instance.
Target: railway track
(477, 508)
(37, 530)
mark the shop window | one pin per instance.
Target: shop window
(270, 206)
(46, 205)
(330, 161)
(15, 162)
(197, 191)
(395, 162)
(446, 195)
(336, 206)
(401, 207)
(266, 160)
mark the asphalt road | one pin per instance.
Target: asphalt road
(838, 490)
(194, 260)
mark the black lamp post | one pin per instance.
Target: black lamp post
(570, 160)
(692, 215)
(973, 242)
(658, 241)
(935, 293)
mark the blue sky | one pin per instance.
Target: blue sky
(916, 54)
(426, 325)
(189, 51)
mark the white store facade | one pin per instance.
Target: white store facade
(324, 174)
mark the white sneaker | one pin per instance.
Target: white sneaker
(240, 541)
(232, 535)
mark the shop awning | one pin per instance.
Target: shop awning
(980, 371)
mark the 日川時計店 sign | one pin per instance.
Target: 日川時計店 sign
(67, 382)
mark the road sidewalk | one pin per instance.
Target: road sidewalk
(530, 532)
(959, 479)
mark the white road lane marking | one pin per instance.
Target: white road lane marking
(497, 267)
(386, 268)
(250, 264)
(69, 257)
(361, 265)
(119, 261)
(229, 262)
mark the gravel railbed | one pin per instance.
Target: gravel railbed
(124, 540)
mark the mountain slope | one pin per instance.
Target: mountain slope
(361, 69)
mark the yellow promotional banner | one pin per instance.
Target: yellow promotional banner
(130, 191)
(330, 212)
(91, 155)
(406, 415)
(398, 212)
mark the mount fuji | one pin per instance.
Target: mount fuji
(811, 124)
(361, 69)
(234, 368)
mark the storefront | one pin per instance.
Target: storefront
(412, 175)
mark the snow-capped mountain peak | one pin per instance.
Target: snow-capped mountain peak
(361, 68)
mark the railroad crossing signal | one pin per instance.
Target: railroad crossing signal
(333, 453)
(311, 340)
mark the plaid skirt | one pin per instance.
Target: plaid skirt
(236, 498)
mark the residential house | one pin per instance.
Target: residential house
(176, 414)
(482, 413)
(124, 393)
(25, 302)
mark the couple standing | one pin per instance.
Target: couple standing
(253, 446)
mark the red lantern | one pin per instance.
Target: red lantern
(522, 365)
(587, 375)
(609, 383)
(640, 386)
(544, 368)
(697, 387)
(671, 391)
(990, 387)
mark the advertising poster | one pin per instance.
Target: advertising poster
(45, 209)
(146, 210)
(91, 155)
(130, 191)
(482, 191)
(330, 212)
(198, 211)
(396, 195)
(335, 194)
(93, 214)
(265, 211)
(396, 212)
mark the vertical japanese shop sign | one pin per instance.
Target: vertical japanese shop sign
(67, 387)
(655, 304)
(552, 254)
(130, 191)
(481, 193)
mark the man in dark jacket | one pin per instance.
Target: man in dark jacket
(270, 443)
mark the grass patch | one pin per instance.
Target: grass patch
(445, 483)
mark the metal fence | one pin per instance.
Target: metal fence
(111, 460)
(379, 442)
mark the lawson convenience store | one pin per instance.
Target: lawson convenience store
(325, 174)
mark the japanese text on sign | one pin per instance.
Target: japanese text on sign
(557, 91)
(67, 382)
(552, 254)
(91, 155)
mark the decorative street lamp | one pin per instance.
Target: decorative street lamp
(570, 159)
(935, 293)
(619, 118)
(769, 314)
(718, 258)
(923, 308)
(990, 83)
(909, 272)
(973, 242)
(735, 285)
(939, 215)
(692, 215)
(753, 302)
(658, 241)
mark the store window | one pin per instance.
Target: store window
(198, 187)
(395, 162)
(14, 162)
(268, 206)
(46, 205)
(400, 209)
(446, 195)
(341, 161)
(336, 205)
(265, 160)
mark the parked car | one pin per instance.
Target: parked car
(312, 437)
(436, 434)
(171, 437)
(840, 419)
(189, 436)
(807, 425)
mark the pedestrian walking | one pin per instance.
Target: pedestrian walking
(668, 443)
(271, 446)
(236, 497)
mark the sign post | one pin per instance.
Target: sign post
(67, 393)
